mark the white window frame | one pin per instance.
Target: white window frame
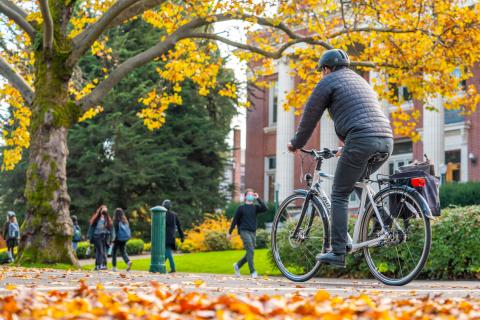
(268, 172)
(273, 91)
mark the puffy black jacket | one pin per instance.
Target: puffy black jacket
(352, 104)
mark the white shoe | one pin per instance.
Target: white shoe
(254, 275)
(114, 269)
(129, 265)
(236, 269)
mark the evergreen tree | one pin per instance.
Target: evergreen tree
(115, 160)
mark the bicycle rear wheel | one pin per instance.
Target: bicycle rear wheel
(295, 256)
(401, 256)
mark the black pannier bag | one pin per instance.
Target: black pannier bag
(430, 190)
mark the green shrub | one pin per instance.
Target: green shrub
(460, 194)
(82, 250)
(216, 241)
(147, 247)
(263, 239)
(135, 246)
(454, 253)
(3, 257)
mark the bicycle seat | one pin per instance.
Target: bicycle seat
(378, 157)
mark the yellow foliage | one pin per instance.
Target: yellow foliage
(195, 238)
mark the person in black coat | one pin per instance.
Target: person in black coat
(171, 223)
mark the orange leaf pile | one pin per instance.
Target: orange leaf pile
(164, 302)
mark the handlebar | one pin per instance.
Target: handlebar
(324, 154)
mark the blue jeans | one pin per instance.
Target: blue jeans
(74, 246)
(169, 256)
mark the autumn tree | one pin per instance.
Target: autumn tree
(417, 44)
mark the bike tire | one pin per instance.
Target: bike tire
(275, 241)
(419, 204)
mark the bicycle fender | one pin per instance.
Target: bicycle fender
(302, 192)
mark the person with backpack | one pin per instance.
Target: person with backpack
(99, 233)
(171, 223)
(122, 234)
(246, 220)
(77, 233)
(11, 234)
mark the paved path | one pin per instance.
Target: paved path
(46, 280)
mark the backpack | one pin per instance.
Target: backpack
(13, 231)
(431, 190)
(77, 234)
(124, 233)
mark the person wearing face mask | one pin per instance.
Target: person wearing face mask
(245, 220)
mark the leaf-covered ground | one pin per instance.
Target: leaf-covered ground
(35, 293)
(171, 302)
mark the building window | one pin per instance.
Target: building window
(273, 103)
(453, 161)
(403, 94)
(463, 83)
(402, 147)
(453, 116)
(270, 167)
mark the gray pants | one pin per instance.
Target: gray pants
(249, 240)
(352, 167)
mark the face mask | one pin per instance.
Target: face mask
(250, 198)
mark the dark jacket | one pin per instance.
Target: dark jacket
(246, 216)
(172, 222)
(352, 104)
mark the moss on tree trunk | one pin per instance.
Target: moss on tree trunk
(47, 231)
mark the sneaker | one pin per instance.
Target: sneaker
(236, 269)
(333, 259)
(102, 267)
(254, 275)
(129, 265)
(114, 269)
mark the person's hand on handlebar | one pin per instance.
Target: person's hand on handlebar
(339, 152)
(291, 148)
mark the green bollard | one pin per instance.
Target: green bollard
(157, 262)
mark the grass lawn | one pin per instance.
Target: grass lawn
(220, 262)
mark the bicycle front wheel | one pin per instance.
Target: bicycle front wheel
(295, 255)
(402, 254)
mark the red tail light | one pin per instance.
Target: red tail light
(418, 182)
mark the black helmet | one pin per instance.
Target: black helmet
(167, 204)
(334, 58)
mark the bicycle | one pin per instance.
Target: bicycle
(394, 234)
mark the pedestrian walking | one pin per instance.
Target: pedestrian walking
(11, 234)
(122, 234)
(77, 233)
(246, 221)
(99, 233)
(172, 224)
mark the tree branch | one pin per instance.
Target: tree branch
(86, 38)
(16, 80)
(47, 25)
(16, 14)
(270, 54)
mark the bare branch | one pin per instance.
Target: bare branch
(270, 54)
(47, 25)
(16, 80)
(87, 37)
(16, 14)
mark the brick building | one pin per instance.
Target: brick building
(450, 140)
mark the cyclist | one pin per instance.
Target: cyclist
(361, 126)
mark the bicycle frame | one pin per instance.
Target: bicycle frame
(367, 192)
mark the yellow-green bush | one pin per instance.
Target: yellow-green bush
(215, 224)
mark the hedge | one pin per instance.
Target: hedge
(134, 246)
(454, 254)
(460, 194)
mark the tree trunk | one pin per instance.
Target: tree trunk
(47, 231)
